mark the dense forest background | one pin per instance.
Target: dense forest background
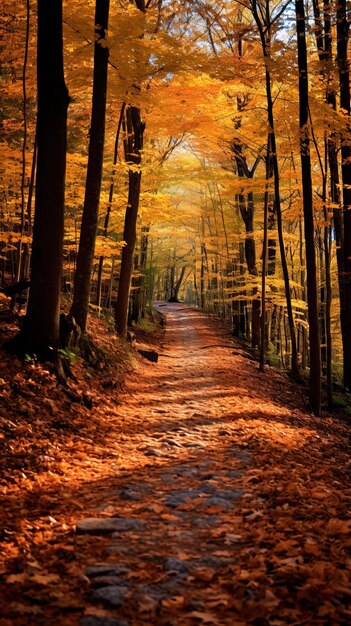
(194, 150)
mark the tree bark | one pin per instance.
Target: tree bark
(264, 260)
(21, 256)
(312, 297)
(247, 211)
(343, 26)
(133, 144)
(85, 258)
(264, 30)
(110, 200)
(138, 282)
(40, 332)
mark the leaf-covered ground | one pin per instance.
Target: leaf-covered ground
(202, 492)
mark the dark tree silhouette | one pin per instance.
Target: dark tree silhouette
(40, 331)
(82, 280)
(312, 297)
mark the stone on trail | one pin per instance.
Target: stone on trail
(150, 355)
(176, 498)
(234, 474)
(209, 488)
(131, 496)
(107, 581)
(207, 522)
(173, 442)
(195, 444)
(95, 620)
(105, 569)
(154, 452)
(173, 564)
(107, 525)
(223, 432)
(230, 494)
(208, 477)
(219, 503)
(215, 562)
(113, 596)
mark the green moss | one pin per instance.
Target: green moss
(342, 401)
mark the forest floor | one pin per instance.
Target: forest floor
(202, 491)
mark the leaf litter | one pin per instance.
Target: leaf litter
(248, 523)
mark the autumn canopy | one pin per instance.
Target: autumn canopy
(195, 150)
(175, 313)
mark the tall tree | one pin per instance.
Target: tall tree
(40, 332)
(85, 258)
(264, 22)
(110, 200)
(133, 143)
(343, 27)
(247, 212)
(323, 35)
(20, 268)
(312, 297)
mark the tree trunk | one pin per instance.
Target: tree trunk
(264, 30)
(247, 211)
(264, 260)
(26, 247)
(324, 47)
(139, 297)
(21, 256)
(133, 144)
(85, 258)
(202, 278)
(178, 284)
(343, 26)
(40, 332)
(109, 206)
(312, 297)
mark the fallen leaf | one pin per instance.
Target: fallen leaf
(17, 578)
(45, 579)
(18, 607)
(203, 573)
(176, 602)
(230, 538)
(205, 618)
(146, 604)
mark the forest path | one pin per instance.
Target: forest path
(227, 507)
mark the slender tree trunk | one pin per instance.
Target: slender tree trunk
(40, 332)
(144, 247)
(324, 47)
(343, 26)
(247, 211)
(327, 246)
(264, 261)
(312, 297)
(20, 260)
(85, 258)
(202, 278)
(139, 283)
(110, 200)
(26, 247)
(178, 284)
(264, 30)
(134, 144)
(325, 53)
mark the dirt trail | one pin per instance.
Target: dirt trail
(239, 514)
(204, 493)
